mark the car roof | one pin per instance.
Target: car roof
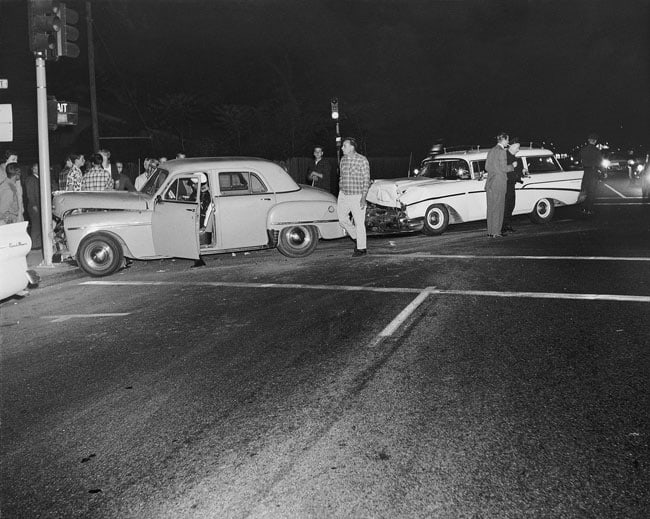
(481, 153)
(272, 172)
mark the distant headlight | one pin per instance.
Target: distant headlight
(630, 162)
(606, 163)
(639, 167)
(416, 171)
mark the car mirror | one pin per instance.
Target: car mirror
(158, 199)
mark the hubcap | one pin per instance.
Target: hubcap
(299, 237)
(99, 255)
(434, 219)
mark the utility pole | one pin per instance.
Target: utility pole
(91, 78)
(44, 160)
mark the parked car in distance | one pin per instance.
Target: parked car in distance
(450, 189)
(197, 206)
(15, 244)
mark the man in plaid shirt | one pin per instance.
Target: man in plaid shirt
(353, 187)
(97, 178)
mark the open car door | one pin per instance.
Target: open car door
(175, 219)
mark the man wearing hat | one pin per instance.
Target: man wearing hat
(591, 159)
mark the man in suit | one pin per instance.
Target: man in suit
(319, 171)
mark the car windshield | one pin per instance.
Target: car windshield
(155, 181)
(543, 164)
(448, 169)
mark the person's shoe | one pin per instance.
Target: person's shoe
(359, 252)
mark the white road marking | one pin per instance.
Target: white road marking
(398, 321)
(614, 190)
(61, 318)
(403, 316)
(399, 290)
(477, 256)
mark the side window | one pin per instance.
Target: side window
(257, 186)
(181, 190)
(233, 183)
(544, 164)
(478, 167)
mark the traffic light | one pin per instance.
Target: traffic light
(334, 103)
(44, 24)
(67, 33)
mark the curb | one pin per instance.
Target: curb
(50, 276)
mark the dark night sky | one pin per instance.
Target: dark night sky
(409, 71)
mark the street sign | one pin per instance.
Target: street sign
(6, 123)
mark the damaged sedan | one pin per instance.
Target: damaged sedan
(450, 189)
(193, 207)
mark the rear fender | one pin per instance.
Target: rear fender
(320, 213)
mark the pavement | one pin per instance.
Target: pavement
(54, 273)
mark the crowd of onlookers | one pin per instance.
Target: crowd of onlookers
(20, 192)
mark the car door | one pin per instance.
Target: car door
(241, 209)
(476, 199)
(175, 218)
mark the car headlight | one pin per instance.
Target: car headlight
(630, 162)
(639, 167)
(606, 163)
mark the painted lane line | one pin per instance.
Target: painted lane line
(61, 318)
(547, 295)
(401, 317)
(399, 290)
(614, 190)
(476, 256)
(236, 284)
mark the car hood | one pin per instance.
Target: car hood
(65, 201)
(390, 192)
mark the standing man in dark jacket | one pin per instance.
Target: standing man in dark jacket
(514, 177)
(591, 159)
(320, 171)
(33, 199)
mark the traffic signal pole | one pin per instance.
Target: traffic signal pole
(44, 161)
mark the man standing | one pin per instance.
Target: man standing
(353, 187)
(33, 195)
(497, 169)
(591, 159)
(97, 178)
(319, 171)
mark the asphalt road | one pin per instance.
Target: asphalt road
(452, 376)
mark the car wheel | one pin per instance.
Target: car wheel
(543, 211)
(298, 241)
(436, 220)
(100, 254)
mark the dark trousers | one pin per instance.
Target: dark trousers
(510, 203)
(35, 228)
(589, 186)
